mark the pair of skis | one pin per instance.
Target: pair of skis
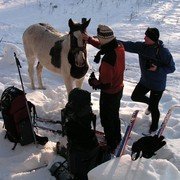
(130, 127)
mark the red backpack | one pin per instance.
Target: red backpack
(16, 118)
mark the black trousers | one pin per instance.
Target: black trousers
(109, 115)
(139, 95)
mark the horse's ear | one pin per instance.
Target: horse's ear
(71, 23)
(85, 24)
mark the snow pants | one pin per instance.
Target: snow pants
(109, 115)
(139, 95)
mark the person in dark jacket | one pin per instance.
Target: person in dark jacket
(155, 62)
(110, 81)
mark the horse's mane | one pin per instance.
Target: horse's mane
(49, 28)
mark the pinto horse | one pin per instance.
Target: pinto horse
(63, 54)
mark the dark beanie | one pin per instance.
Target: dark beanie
(152, 33)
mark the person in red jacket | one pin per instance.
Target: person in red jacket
(110, 81)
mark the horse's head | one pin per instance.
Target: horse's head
(78, 52)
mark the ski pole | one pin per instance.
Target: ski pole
(48, 129)
(44, 120)
(27, 107)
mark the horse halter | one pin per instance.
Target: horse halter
(74, 48)
(77, 55)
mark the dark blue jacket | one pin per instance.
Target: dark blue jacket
(156, 54)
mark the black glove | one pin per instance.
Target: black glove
(148, 146)
(92, 76)
(92, 83)
(92, 79)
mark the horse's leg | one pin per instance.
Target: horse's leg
(39, 68)
(79, 82)
(31, 61)
(68, 81)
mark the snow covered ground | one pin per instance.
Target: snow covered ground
(129, 20)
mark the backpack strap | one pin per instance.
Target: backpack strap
(92, 116)
(157, 52)
(10, 137)
(15, 144)
(93, 119)
(32, 109)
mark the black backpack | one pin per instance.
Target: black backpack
(16, 117)
(78, 110)
(78, 124)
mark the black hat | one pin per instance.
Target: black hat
(152, 33)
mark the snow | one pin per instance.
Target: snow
(129, 20)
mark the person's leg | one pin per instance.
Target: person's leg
(115, 115)
(155, 97)
(102, 108)
(139, 94)
(106, 111)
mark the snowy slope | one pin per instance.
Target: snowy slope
(129, 20)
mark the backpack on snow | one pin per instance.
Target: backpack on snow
(16, 117)
(83, 151)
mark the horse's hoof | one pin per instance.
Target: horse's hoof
(42, 88)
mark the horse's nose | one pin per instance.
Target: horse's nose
(81, 59)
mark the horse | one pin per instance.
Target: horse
(62, 54)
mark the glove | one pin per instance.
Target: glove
(147, 146)
(93, 81)
(92, 76)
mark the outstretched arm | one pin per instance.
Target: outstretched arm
(91, 40)
(132, 47)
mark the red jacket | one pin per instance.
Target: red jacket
(111, 70)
